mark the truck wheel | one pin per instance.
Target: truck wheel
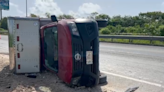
(102, 78)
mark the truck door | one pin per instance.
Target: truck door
(50, 42)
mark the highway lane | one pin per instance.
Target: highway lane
(127, 65)
(4, 37)
(144, 64)
(137, 61)
(4, 44)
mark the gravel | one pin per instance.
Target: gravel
(44, 82)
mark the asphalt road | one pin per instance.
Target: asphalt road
(137, 65)
(127, 65)
(4, 44)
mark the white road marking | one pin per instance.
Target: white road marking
(138, 80)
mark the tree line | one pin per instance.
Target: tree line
(149, 23)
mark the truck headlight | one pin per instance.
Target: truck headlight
(74, 29)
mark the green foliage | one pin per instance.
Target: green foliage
(161, 29)
(94, 14)
(64, 16)
(48, 15)
(33, 15)
(103, 16)
(2, 30)
(150, 23)
(112, 28)
(105, 31)
(3, 23)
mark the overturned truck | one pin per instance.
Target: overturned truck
(67, 47)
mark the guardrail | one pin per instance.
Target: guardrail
(131, 38)
(3, 32)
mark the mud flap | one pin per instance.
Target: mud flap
(102, 78)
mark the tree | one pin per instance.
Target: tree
(116, 20)
(130, 29)
(33, 15)
(103, 16)
(64, 16)
(151, 28)
(112, 29)
(48, 15)
(161, 29)
(149, 23)
(4, 23)
(93, 15)
(119, 28)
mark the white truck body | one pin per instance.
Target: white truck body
(24, 44)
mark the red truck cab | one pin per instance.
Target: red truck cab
(70, 48)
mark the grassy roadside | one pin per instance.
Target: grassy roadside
(3, 31)
(143, 42)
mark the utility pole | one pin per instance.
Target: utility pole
(26, 8)
(0, 14)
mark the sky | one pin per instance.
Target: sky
(80, 8)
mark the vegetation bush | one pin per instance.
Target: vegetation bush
(105, 31)
(149, 23)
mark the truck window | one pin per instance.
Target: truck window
(51, 48)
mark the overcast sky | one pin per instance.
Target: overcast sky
(83, 7)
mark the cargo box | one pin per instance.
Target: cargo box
(24, 44)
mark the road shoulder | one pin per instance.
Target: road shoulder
(45, 81)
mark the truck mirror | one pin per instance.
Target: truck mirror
(53, 18)
(102, 23)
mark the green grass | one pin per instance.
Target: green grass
(141, 42)
(121, 40)
(145, 42)
(3, 31)
(158, 42)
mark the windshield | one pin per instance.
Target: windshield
(51, 48)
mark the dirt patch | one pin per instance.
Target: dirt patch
(45, 82)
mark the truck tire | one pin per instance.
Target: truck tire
(102, 78)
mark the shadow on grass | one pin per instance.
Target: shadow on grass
(45, 82)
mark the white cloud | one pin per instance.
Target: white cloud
(43, 6)
(75, 14)
(49, 6)
(17, 9)
(86, 9)
(89, 8)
